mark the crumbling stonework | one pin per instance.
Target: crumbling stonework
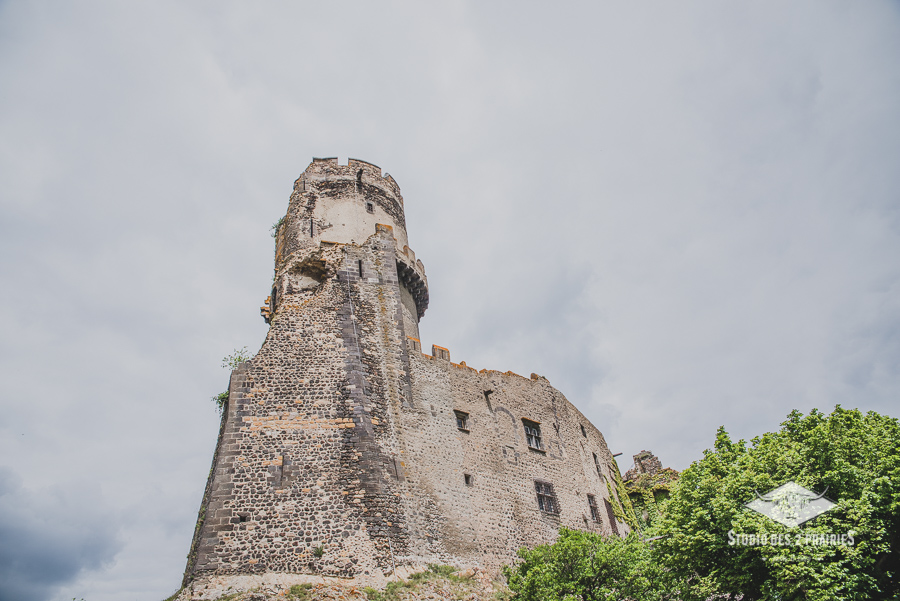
(646, 484)
(645, 462)
(345, 451)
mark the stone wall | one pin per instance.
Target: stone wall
(340, 452)
(470, 492)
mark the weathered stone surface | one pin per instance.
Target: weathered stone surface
(340, 453)
(645, 462)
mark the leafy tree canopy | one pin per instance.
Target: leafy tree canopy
(584, 566)
(855, 457)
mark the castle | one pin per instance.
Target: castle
(346, 451)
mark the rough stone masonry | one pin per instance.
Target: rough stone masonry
(345, 451)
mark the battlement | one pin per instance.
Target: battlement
(443, 353)
(363, 172)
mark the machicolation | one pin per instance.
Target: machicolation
(346, 451)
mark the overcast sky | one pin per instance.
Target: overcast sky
(685, 215)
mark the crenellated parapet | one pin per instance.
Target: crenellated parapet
(362, 173)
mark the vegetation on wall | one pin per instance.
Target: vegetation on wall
(276, 226)
(621, 502)
(221, 400)
(235, 358)
(647, 492)
(230, 362)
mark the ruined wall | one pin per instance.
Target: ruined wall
(645, 462)
(339, 452)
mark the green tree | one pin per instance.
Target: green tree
(855, 456)
(584, 566)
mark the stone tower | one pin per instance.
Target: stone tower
(345, 451)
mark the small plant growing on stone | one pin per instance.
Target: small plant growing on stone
(393, 589)
(275, 227)
(230, 362)
(236, 358)
(220, 400)
(299, 592)
(319, 551)
(373, 594)
(442, 570)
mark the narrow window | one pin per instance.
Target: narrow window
(487, 399)
(462, 420)
(370, 207)
(533, 434)
(595, 512)
(583, 431)
(360, 267)
(597, 465)
(311, 234)
(545, 497)
(611, 515)
(468, 479)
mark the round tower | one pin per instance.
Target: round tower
(342, 204)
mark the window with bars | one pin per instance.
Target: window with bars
(462, 420)
(545, 497)
(595, 512)
(533, 434)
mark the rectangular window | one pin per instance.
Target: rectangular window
(583, 431)
(595, 512)
(533, 434)
(370, 207)
(462, 420)
(545, 497)
(468, 479)
(597, 465)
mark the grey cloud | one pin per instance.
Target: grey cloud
(49, 537)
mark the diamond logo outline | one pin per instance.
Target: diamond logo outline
(791, 504)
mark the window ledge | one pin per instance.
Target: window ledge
(463, 430)
(541, 451)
